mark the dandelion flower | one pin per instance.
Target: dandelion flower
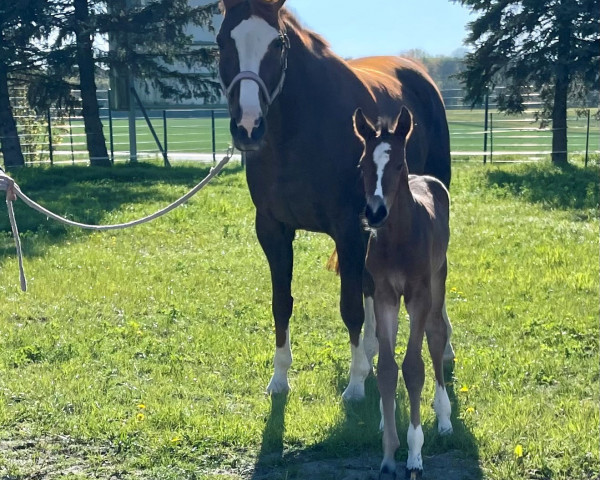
(140, 417)
(519, 451)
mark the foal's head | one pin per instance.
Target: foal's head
(253, 50)
(383, 162)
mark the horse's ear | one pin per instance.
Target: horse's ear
(229, 4)
(363, 128)
(403, 126)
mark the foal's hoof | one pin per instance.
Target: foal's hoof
(414, 474)
(387, 473)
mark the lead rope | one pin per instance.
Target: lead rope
(13, 191)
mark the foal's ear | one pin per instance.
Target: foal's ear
(363, 128)
(403, 126)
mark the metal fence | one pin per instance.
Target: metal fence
(203, 134)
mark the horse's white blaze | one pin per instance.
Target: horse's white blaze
(370, 339)
(381, 156)
(282, 362)
(441, 405)
(415, 440)
(252, 38)
(359, 370)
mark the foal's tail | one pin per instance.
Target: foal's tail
(333, 263)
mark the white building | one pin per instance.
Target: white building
(149, 95)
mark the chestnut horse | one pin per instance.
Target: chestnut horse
(291, 101)
(406, 256)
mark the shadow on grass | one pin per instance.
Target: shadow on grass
(353, 450)
(569, 187)
(87, 194)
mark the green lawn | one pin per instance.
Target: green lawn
(145, 353)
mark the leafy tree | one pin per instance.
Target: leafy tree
(549, 46)
(20, 28)
(150, 42)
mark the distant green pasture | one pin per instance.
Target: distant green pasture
(518, 135)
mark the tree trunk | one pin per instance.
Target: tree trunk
(96, 142)
(9, 138)
(561, 89)
(559, 123)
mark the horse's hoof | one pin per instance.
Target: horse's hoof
(278, 386)
(445, 431)
(387, 473)
(414, 474)
(354, 393)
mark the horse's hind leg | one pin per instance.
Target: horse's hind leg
(448, 350)
(276, 241)
(351, 254)
(437, 341)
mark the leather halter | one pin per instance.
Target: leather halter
(248, 75)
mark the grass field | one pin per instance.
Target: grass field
(145, 353)
(518, 135)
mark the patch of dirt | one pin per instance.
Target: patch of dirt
(446, 466)
(50, 458)
(61, 457)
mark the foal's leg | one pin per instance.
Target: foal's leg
(387, 305)
(437, 341)
(448, 350)
(351, 255)
(276, 241)
(418, 305)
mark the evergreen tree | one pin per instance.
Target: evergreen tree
(544, 45)
(20, 28)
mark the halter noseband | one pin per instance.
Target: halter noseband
(248, 75)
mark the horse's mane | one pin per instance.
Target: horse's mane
(311, 40)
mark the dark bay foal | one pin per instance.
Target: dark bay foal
(406, 256)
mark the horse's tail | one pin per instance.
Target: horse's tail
(333, 263)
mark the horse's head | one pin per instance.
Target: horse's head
(253, 50)
(383, 161)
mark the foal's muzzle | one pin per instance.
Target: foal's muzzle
(376, 212)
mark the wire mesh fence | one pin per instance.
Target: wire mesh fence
(203, 134)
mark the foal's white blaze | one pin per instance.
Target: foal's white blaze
(282, 362)
(441, 405)
(381, 156)
(415, 441)
(252, 38)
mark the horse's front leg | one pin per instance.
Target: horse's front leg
(387, 304)
(276, 241)
(418, 305)
(351, 256)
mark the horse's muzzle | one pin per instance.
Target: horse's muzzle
(242, 140)
(376, 212)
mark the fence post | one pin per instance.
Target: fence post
(71, 138)
(485, 128)
(132, 135)
(166, 145)
(491, 137)
(587, 138)
(214, 146)
(50, 138)
(110, 129)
